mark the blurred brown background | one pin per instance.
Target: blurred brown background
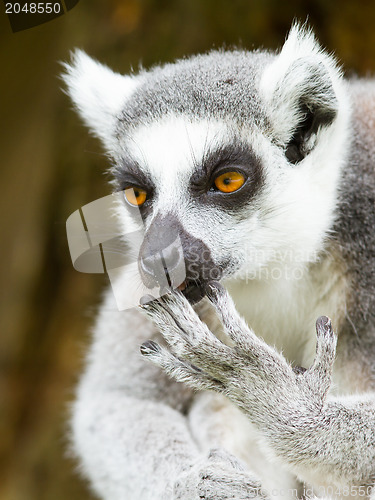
(50, 167)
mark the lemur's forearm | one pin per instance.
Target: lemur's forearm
(130, 448)
(338, 444)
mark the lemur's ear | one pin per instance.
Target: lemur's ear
(299, 88)
(98, 93)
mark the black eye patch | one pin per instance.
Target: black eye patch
(128, 173)
(234, 157)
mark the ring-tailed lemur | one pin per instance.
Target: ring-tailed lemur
(263, 164)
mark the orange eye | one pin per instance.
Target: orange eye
(135, 196)
(229, 182)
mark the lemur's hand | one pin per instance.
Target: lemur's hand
(277, 398)
(219, 476)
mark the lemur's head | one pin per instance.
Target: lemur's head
(238, 153)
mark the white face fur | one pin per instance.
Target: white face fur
(286, 221)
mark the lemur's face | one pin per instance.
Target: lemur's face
(200, 181)
(234, 154)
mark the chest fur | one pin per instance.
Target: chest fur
(284, 311)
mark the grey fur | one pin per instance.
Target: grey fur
(353, 230)
(355, 222)
(261, 419)
(206, 86)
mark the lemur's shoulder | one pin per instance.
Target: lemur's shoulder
(355, 222)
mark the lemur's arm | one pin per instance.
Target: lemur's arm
(130, 430)
(324, 441)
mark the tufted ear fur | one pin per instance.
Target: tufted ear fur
(98, 94)
(300, 89)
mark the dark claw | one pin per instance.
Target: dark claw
(324, 326)
(299, 370)
(213, 289)
(148, 348)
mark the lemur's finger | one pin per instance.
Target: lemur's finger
(234, 325)
(182, 323)
(169, 328)
(204, 341)
(321, 369)
(187, 335)
(179, 370)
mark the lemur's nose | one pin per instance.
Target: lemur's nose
(170, 256)
(162, 260)
(161, 257)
